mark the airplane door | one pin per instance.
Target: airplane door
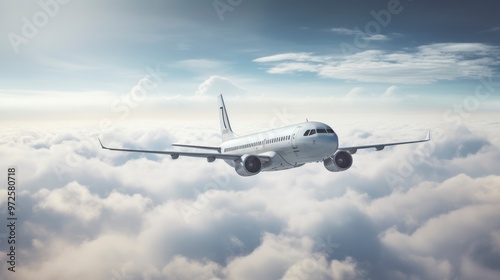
(294, 137)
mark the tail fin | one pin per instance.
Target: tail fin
(225, 126)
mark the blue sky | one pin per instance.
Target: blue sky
(106, 46)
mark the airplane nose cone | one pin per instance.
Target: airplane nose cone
(335, 142)
(329, 142)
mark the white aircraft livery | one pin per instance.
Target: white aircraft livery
(277, 149)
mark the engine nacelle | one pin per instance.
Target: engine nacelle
(249, 165)
(340, 161)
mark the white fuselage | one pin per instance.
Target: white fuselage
(288, 147)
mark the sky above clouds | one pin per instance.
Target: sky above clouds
(146, 75)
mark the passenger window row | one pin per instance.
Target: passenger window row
(258, 143)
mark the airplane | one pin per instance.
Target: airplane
(276, 149)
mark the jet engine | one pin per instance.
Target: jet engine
(249, 165)
(340, 161)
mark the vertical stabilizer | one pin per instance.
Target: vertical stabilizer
(225, 126)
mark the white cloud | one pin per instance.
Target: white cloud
(67, 259)
(183, 268)
(358, 32)
(37, 105)
(355, 93)
(493, 29)
(270, 260)
(470, 48)
(216, 85)
(78, 201)
(377, 37)
(426, 64)
(292, 67)
(346, 270)
(289, 56)
(360, 94)
(390, 92)
(305, 222)
(73, 199)
(344, 31)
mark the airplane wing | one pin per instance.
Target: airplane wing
(380, 147)
(175, 154)
(198, 147)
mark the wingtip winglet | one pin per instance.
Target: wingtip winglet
(428, 137)
(102, 146)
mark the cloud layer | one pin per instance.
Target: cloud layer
(423, 65)
(420, 212)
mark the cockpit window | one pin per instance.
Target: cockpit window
(329, 129)
(310, 132)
